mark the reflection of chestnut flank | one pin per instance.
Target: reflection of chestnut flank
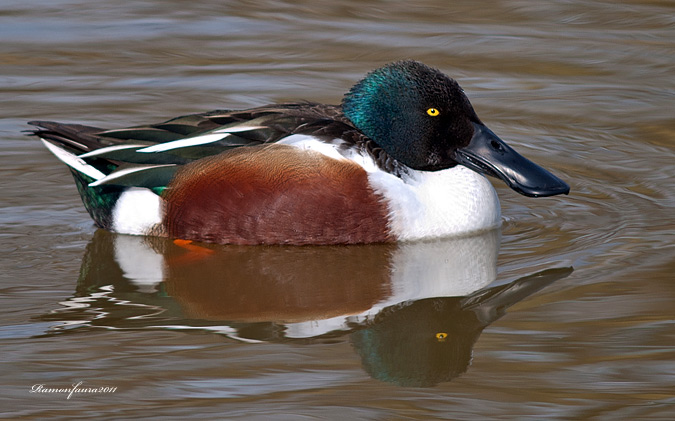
(282, 284)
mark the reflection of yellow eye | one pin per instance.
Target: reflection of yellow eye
(441, 336)
(433, 112)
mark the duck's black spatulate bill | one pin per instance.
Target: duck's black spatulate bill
(489, 155)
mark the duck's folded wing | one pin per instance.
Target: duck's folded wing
(148, 156)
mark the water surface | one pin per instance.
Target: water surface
(566, 312)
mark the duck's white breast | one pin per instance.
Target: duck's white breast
(431, 204)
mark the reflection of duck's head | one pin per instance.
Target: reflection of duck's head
(429, 341)
(419, 344)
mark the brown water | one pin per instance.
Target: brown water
(571, 317)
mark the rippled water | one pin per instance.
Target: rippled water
(565, 313)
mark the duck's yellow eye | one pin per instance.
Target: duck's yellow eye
(441, 336)
(433, 112)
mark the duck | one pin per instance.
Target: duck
(403, 157)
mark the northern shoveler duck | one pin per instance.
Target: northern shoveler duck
(402, 158)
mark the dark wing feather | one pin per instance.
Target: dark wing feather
(74, 136)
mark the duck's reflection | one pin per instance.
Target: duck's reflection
(412, 311)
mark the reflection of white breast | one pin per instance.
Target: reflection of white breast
(440, 268)
(444, 268)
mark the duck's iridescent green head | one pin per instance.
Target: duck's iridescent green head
(422, 118)
(415, 113)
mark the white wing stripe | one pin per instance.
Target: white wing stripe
(214, 136)
(237, 129)
(121, 173)
(74, 161)
(105, 150)
(182, 143)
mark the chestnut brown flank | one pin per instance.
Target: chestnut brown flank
(274, 194)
